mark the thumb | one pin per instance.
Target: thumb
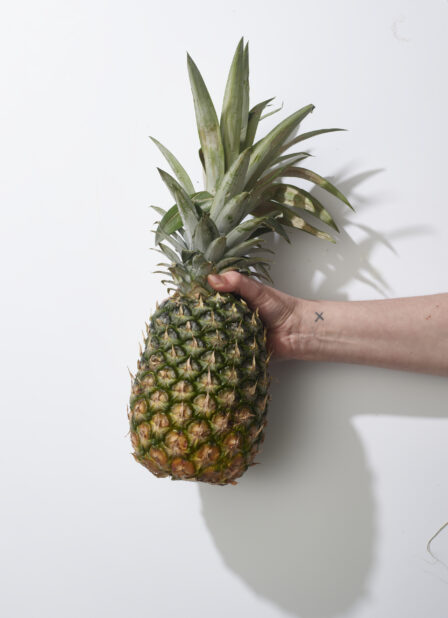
(232, 281)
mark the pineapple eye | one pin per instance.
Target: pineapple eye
(237, 330)
(175, 352)
(163, 318)
(182, 390)
(148, 381)
(243, 417)
(176, 443)
(188, 368)
(144, 432)
(166, 375)
(231, 443)
(194, 346)
(204, 404)
(249, 390)
(152, 344)
(158, 400)
(155, 361)
(230, 375)
(197, 431)
(208, 381)
(159, 424)
(180, 413)
(233, 311)
(182, 310)
(226, 396)
(220, 422)
(206, 455)
(171, 334)
(211, 359)
(140, 409)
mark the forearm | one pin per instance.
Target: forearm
(404, 333)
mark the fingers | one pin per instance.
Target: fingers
(274, 306)
(252, 291)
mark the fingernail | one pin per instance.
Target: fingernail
(215, 280)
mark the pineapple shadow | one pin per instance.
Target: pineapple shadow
(300, 528)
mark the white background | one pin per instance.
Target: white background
(353, 480)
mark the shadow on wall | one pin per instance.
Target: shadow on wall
(300, 529)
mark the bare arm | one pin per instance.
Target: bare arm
(404, 333)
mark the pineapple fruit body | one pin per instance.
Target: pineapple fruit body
(199, 398)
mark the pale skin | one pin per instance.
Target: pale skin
(409, 334)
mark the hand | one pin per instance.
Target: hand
(279, 312)
(410, 334)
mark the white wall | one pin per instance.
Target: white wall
(353, 477)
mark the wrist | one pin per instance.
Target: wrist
(310, 329)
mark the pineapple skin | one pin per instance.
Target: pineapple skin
(199, 399)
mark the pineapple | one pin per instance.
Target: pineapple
(199, 398)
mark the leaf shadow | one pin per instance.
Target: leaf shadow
(300, 529)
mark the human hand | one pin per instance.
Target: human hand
(410, 334)
(279, 312)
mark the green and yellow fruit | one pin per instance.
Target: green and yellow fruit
(199, 398)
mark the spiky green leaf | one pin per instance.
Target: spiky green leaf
(185, 206)
(208, 128)
(160, 211)
(170, 254)
(274, 111)
(275, 224)
(200, 266)
(269, 176)
(226, 263)
(267, 149)
(232, 183)
(263, 273)
(170, 222)
(244, 247)
(290, 218)
(241, 264)
(307, 135)
(204, 233)
(289, 195)
(244, 230)
(177, 243)
(301, 172)
(203, 199)
(187, 255)
(216, 249)
(233, 212)
(293, 156)
(245, 103)
(232, 107)
(253, 120)
(177, 168)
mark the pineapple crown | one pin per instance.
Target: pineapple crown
(222, 228)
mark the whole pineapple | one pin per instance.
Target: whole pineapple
(199, 398)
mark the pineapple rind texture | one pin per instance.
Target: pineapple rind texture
(199, 398)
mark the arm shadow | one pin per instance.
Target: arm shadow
(299, 529)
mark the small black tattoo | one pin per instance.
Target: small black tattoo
(319, 316)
